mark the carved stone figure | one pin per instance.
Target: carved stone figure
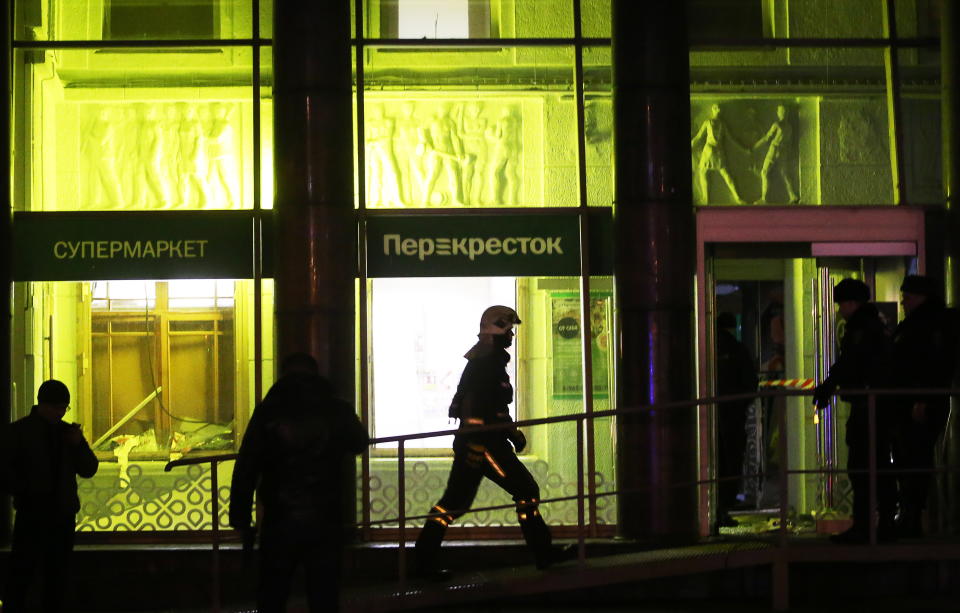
(150, 179)
(715, 135)
(472, 129)
(503, 176)
(442, 154)
(191, 157)
(101, 149)
(383, 176)
(409, 163)
(221, 150)
(779, 136)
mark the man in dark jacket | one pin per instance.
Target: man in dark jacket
(863, 363)
(736, 374)
(482, 398)
(41, 458)
(294, 448)
(924, 356)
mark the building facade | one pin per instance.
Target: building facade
(197, 188)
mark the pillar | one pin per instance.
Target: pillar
(315, 228)
(654, 270)
(946, 510)
(315, 242)
(6, 229)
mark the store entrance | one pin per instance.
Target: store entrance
(782, 312)
(776, 300)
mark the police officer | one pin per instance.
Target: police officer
(40, 458)
(863, 363)
(736, 374)
(481, 399)
(924, 356)
(292, 454)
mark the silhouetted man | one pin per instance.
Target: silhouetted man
(863, 363)
(294, 448)
(736, 374)
(41, 458)
(482, 398)
(924, 356)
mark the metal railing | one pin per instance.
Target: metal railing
(780, 588)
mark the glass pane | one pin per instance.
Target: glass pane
(149, 388)
(917, 18)
(415, 19)
(736, 19)
(135, 129)
(266, 128)
(598, 125)
(595, 18)
(498, 134)
(133, 20)
(603, 339)
(920, 131)
(266, 18)
(811, 148)
(420, 329)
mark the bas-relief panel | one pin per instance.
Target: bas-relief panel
(450, 152)
(745, 151)
(170, 155)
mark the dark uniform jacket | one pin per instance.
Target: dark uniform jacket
(41, 463)
(864, 360)
(294, 448)
(736, 373)
(925, 355)
(484, 391)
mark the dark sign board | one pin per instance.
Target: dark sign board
(411, 245)
(133, 245)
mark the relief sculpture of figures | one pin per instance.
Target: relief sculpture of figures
(472, 130)
(383, 177)
(405, 145)
(503, 175)
(715, 135)
(221, 150)
(191, 157)
(442, 152)
(150, 182)
(101, 149)
(779, 136)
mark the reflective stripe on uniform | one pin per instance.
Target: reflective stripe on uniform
(494, 464)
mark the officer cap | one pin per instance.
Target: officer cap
(922, 286)
(851, 289)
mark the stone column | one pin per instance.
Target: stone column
(655, 267)
(316, 235)
(6, 274)
(946, 509)
(315, 242)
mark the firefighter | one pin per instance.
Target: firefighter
(482, 397)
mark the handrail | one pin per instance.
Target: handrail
(581, 418)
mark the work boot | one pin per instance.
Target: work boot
(427, 551)
(886, 529)
(908, 523)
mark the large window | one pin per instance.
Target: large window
(420, 330)
(157, 370)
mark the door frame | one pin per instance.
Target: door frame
(827, 230)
